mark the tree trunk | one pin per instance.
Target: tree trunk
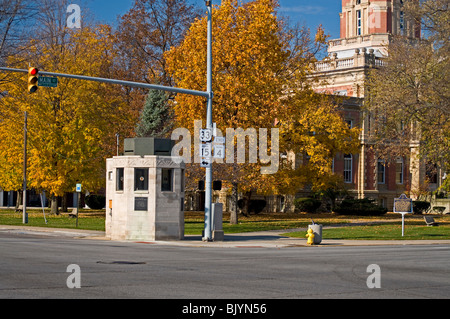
(234, 207)
(19, 200)
(64, 203)
(246, 209)
(54, 205)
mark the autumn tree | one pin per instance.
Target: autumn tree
(147, 31)
(69, 127)
(260, 68)
(409, 96)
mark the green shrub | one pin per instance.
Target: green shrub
(420, 206)
(362, 207)
(307, 205)
(95, 201)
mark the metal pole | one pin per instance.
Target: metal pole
(113, 81)
(117, 143)
(78, 205)
(24, 195)
(209, 125)
(403, 224)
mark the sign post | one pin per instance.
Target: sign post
(403, 205)
(78, 189)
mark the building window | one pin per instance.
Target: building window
(141, 179)
(119, 179)
(358, 1)
(350, 123)
(358, 22)
(431, 172)
(399, 171)
(381, 168)
(167, 180)
(402, 22)
(341, 92)
(348, 164)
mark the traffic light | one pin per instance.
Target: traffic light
(33, 80)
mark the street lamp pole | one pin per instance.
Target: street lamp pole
(209, 125)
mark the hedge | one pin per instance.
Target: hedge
(95, 201)
(362, 207)
(307, 205)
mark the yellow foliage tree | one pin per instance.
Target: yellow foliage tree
(257, 61)
(69, 127)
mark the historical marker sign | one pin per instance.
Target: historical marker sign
(403, 205)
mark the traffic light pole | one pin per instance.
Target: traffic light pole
(113, 81)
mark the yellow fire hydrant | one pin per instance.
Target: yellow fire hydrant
(310, 236)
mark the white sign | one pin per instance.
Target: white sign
(219, 151)
(205, 135)
(219, 140)
(206, 150)
(205, 162)
(78, 188)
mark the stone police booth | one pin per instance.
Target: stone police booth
(145, 192)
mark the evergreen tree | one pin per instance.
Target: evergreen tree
(156, 116)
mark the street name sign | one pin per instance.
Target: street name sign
(48, 81)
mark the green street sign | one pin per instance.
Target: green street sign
(47, 81)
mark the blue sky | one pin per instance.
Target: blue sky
(310, 13)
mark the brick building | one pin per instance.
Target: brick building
(366, 30)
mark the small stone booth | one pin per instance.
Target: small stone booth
(145, 194)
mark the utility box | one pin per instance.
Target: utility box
(217, 227)
(148, 146)
(145, 196)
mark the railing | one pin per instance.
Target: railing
(345, 63)
(358, 60)
(361, 39)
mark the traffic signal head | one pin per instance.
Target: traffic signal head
(33, 80)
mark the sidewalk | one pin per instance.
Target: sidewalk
(263, 239)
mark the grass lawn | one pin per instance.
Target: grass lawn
(194, 221)
(415, 227)
(94, 220)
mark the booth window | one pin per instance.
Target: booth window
(141, 179)
(119, 179)
(167, 180)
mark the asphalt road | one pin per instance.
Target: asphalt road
(35, 266)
